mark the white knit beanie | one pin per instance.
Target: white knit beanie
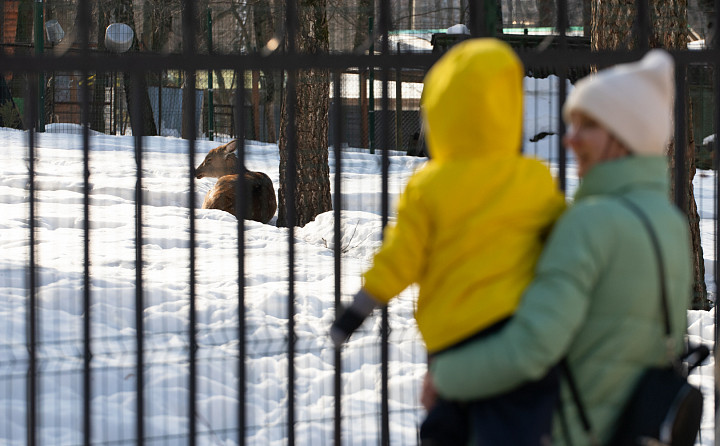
(632, 101)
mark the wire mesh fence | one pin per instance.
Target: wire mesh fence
(133, 316)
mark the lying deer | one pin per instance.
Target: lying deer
(221, 163)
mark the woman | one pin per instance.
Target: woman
(595, 298)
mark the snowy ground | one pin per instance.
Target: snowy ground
(59, 231)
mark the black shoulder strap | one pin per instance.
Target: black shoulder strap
(582, 413)
(658, 255)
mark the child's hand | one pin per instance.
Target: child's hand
(348, 321)
(351, 318)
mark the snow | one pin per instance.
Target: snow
(166, 294)
(460, 28)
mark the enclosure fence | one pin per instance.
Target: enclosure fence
(90, 357)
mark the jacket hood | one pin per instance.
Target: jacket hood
(472, 101)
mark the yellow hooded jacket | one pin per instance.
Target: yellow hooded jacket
(471, 224)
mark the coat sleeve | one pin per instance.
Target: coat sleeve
(538, 335)
(403, 255)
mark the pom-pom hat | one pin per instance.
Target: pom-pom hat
(632, 101)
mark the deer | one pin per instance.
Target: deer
(221, 163)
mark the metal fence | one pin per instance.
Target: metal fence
(129, 318)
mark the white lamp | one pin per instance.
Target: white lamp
(54, 31)
(118, 37)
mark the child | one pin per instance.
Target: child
(471, 224)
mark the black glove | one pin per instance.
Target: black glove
(348, 321)
(352, 317)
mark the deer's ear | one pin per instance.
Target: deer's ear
(229, 147)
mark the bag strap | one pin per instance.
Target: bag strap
(669, 342)
(582, 413)
(564, 366)
(694, 354)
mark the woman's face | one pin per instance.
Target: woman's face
(590, 142)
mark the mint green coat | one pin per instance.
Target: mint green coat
(595, 299)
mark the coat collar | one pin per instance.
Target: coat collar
(618, 176)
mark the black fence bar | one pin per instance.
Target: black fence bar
(562, 152)
(290, 215)
(32, 375)
(385, 20)
(337, 237)
(137, 125)
(291, 219)
(189, 131)
(477, 18)
(715, 48)
(291, 149)
(87, 353)
(716, 266)
(192, 388)
(643, 24)
(84, 31)
(342, 61)
(562, 19)
(562, 69)
(240, 209)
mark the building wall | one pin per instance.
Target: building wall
(8, 21)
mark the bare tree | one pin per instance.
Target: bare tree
(613, 23)
(97, 105)
(312, 192)
(266, 16)
(364, 12)
(157, 24)
(122, 11)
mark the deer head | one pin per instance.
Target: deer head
(218, 162)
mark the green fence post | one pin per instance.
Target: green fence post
(39, 49)
(211, 111)
(493, 15)
(371, 107)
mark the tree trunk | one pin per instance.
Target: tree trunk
(202, 38)
(312, 191)
(364, 12)
(699, 301)
(157, 24)
(612, 22)
(264, 27)
(587, 17)
(271, 80)
(122, 11)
